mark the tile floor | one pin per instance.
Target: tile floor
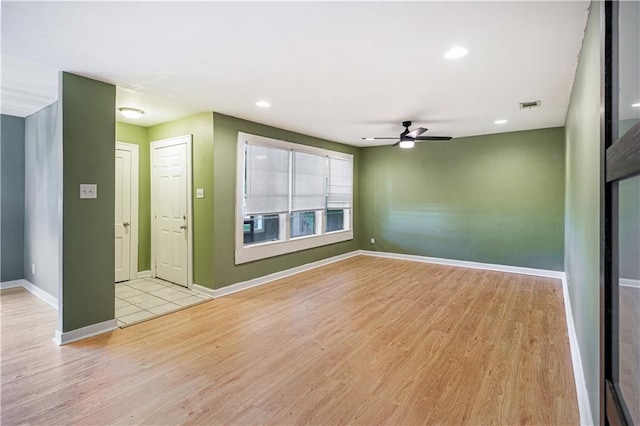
(145, 298)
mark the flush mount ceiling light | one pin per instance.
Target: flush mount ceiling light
(132, 113)
(500, 121)
(263, 104)
(636, 105)
(456, 52)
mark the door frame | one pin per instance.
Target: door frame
(620, 159)
(163, 143)
(135, 170)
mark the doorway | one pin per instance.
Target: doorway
(171, 217)
(126, 211)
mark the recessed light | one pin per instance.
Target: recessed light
(456, 52)
(132, 113)
(263, 104)
(500, 121)
(636, 105)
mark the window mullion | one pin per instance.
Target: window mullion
(288, 215)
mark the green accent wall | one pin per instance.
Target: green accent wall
(582, 205)
(492, 199)
(88, 135)
(226, 130)
(201, 127)
(137, 135)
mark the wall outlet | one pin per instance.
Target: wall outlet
(373, 240)
(33, 268)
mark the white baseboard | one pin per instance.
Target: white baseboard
(234, 288)
(84, 332)
(626, 282)
(33, 289)
(204, 290)
(466, 264)
(144, 274)
(584, 406)
(11, 284)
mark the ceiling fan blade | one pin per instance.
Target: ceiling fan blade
(396, 144)
(417, 132)
(366, 139)
(434, 138)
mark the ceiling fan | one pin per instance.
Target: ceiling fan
(408, 138)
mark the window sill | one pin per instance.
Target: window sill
(277, 248)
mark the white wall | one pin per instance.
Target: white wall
(43, 199)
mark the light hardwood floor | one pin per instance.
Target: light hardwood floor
(362, 341)
(629, 347)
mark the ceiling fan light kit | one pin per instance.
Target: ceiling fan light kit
(409, 137)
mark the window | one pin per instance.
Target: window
(290, 197)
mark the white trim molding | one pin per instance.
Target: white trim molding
(627, 282)
(584, 406)
(466, 264)
(5, 285)
(145, 274)
(84, 332)
(204, 290)
(33, 289)
(244, 285)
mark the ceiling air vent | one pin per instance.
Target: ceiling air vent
(532, 104)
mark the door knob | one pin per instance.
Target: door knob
(126, 224)
(183, 227)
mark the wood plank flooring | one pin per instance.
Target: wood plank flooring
(629, 347)
(362, 341)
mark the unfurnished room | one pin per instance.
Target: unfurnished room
(397, 213)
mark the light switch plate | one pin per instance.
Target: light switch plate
(199, 192)
(88, 190)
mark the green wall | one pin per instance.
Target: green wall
(492, 199)
(137, 135)
(12, 159)
(582, 205)
(88, 134)
(226, 130)
(201, 127)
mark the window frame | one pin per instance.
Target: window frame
(286, 244)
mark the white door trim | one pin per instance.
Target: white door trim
(135, 168)
(163, 143)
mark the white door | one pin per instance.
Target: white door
(123, 215)
(171, 186)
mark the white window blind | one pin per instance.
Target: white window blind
(309, 182)
(340, 183)
(267, 179)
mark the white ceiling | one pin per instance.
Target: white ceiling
(335, 70)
